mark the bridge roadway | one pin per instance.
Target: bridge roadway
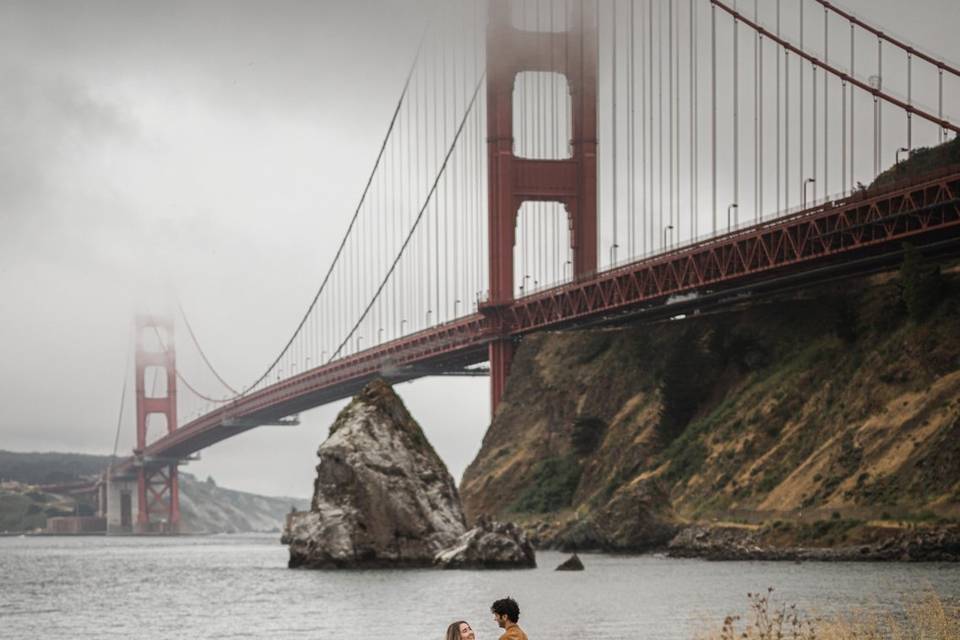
(835, 239)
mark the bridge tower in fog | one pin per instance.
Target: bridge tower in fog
(513, 180)
(158, 499)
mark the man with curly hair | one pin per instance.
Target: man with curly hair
(506, 613)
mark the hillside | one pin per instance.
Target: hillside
(825, 417)
(204, 507)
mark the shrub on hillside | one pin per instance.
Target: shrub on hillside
(554, 482)
(587, 434)
(921, 286)
(685, 383)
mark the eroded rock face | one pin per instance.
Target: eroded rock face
(382, 496)
(489, 545)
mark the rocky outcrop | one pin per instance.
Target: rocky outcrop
(832, 403)
(637, 518)
(933, 544)
(382, 496)
(489, 545)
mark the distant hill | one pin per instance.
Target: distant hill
(204, 506)
(49, 467)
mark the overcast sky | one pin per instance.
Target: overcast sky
(216, 149)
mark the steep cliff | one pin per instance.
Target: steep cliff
(839, 405)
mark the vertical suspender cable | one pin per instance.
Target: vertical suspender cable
(786, 129)
(651, 234)
(670, 87)
(813, 115)
(910, 102)
(760, 120)
(736, 122)
(436, 201)
(853, 178)
(800, 138)
(776, 59)
(879, 105)
(693, 121)
(826, 106)
(613, 125)
(631, 210)
(756, 114)
(660, 171)
(940, 101)
(445, 219)
(713, 108)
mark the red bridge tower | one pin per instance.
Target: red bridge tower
(158, 491)
(514, 180)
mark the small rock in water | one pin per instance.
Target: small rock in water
(572, 563)
(489, 545)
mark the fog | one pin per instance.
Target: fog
(210, 152)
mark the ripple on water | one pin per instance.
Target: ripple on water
(233, 587)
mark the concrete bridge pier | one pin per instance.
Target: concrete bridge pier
(120, 504)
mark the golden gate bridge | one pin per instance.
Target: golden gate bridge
(560, 163)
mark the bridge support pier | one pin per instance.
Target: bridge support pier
(514, 180)
(120, 503)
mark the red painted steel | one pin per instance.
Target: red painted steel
(886, 36)
(839, 230)
(157, 486)
(514, 180)
(886, 97)
(835, 229)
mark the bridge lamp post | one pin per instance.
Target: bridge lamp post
(455, 303)
(803, 189)
(402, 322)
(566, 269)
(429, 311)
(380, 335)
(613, 253)
(359, 338)
(729, 209)
(323, 355)
(902, 150)
(523, 285)
(667, 230)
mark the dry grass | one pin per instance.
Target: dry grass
(926, 618)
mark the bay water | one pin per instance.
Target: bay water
(238, 586)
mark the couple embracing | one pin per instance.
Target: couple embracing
(506, 613)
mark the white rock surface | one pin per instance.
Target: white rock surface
(382, 496)
(489, 545)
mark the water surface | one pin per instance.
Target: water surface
(239, 587)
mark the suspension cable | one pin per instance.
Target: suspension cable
(123, 398)
(353, 220)
(416, 221)
(203, 355)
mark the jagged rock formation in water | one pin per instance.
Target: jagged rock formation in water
(383, 497)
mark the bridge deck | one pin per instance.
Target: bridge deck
(845, 236)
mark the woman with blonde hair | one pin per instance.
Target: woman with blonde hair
(459, 630)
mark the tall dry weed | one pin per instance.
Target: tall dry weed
(928, 617)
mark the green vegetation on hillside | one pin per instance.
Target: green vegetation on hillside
(842, 399)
